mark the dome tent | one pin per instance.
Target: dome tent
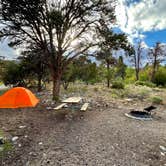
(18, 97)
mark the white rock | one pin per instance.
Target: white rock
(129, 99)
(40, 143)
(49, 108)
(19, 145)
(162, 148)
(21, 127)
(26, 136)
(163, 154)
(14, 138)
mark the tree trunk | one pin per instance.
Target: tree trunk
(39, 84)
(56, 84)
(154, 69)
(137, 74)
(108, 76)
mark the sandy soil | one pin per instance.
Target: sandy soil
(101, 136)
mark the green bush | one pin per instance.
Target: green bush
(130, 76)
(118, 84)
(145, 83)
(160, 77)
(144, 74)
(13, 75)
(157, 100)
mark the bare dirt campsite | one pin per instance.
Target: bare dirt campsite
(101, 135)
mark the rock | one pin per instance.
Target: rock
(44, 154)
(129, 99)
(40, 143)
(49, 108)
(162, 154)
(66, 106)
(163, 148)
(26, 136)
(19, 145)
(14, 138)
(32, 154)
(21, 127)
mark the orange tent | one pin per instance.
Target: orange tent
(18, 97)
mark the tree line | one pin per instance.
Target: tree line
(56, 35)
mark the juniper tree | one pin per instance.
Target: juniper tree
(62, 29)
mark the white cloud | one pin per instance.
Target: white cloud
(143, 16)
(8, 52)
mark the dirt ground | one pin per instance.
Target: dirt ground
(101, 136)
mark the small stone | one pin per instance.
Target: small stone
(66, 106)
(129, 99)
(21, 127)
(14, 138)
(162, 148)
(49, 108)
(40, 143)
(19, 145)
(26, 136)
(163, 154)
(44, 155)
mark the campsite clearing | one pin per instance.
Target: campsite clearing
(103, 135)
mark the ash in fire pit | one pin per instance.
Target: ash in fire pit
(141, 115)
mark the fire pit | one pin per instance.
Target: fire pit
(140, 115)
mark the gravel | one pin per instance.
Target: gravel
(91, 138)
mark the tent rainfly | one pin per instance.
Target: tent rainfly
(18, 97)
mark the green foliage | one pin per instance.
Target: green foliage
(120, 68)
(110, 74)
(160, 77)
(85, 70)
(130, 75)
(6, 147)
(28, 71)
(69, 75)
(14, 74)
(145, 74)
(118, 84)
(145, 83)
(157, 100)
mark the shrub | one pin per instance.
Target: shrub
(160, 77)
(157, 100)
(130, 76)
(145, 75)
(118, 84)
(145, 83)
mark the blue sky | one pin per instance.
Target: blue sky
(139, 19)
(142, 19)
(155, 36)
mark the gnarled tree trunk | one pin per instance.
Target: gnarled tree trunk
(57, 75)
